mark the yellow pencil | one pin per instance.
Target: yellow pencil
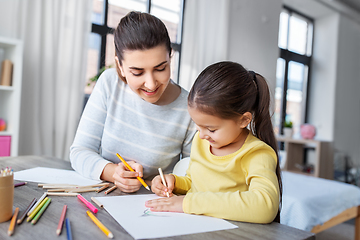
(130, 168)
(36, 210)
(12, 223)
(99, 224)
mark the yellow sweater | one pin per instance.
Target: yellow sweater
(241, 186)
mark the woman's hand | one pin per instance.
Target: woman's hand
(158, 187)
(125, 179)
(172, 204)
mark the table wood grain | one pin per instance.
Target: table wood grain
(82, 226)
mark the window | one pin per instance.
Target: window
(293, 67)
(106, 14)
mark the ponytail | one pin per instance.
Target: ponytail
(261, 125)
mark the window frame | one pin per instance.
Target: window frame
(290, 56)
(104, 29)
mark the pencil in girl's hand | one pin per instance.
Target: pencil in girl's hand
(163, 180)
(100, 225)
(68, 229)
(130, 168)
(41, 211)
(21, 219)
(12, 223)
(61, 221)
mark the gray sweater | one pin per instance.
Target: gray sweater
(117, 120)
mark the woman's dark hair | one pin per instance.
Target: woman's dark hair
(139, 31)
(228, 90)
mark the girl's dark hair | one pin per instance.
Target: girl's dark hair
(228, 90)
(139, 31)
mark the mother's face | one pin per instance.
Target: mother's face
(147, 72)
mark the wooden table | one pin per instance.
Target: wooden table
(84, 228)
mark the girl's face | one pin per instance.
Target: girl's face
(147, 72)
(221, 133)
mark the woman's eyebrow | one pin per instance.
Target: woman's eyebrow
(137, 68)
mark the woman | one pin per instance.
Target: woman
(135, 110)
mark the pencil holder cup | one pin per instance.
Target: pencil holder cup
(6, 197)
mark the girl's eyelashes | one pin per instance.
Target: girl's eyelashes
(211, 130)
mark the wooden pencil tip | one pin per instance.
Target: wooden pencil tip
(110, 235)
(58, 231)
(10, 233)
(147, 187)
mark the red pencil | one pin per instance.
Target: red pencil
(61, 221)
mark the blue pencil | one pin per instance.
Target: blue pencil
(68, 229)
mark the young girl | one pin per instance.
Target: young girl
(234, 170)
(135, 110)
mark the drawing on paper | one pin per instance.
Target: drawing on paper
(148, 213)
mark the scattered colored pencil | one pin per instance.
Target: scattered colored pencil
(97, 202)
(36, 210)
(41, 211)
(36, 204)
(12, 223)
(61, 221)
(62, 194)
(21, 219)
(88, 204)
(68, 229)
(163, 180)
(19, 184)
(110, 190)
(100, 225)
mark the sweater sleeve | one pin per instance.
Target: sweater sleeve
(259, 204)
(85, 151)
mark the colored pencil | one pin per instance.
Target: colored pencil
(21, 219)
(97, 202)
(12, 223)
(62, 194)
(100, 225)
(61, 221)
(130, 168)
(102, 188)
(163, 180)
(79, 190)
(19, 184)
(36, 210)
(68, 229)
(36, 204)
(41, 211)
(110, 190)
(88, 204)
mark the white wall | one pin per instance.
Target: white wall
(323, 76)
(347, 94)
(253, 36)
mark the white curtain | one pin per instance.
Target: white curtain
(205, 37)
(55, 36)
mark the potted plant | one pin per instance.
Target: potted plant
(288, 128)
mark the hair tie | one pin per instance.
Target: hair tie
(253, 74)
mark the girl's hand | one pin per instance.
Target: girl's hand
(125, 179)
(172, 204)
(158, 187)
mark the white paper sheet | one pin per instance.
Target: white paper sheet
(53, 175)
(130, 212)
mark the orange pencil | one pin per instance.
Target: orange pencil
(12, 223)
(130, 168)
(61, 221)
